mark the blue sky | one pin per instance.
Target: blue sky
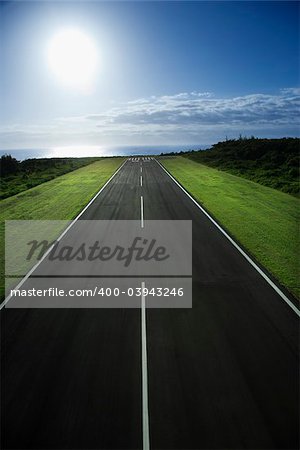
(169, 73)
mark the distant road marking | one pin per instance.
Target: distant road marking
(146, 440)
(61, 236)
(253, 264)
(141, 169)
(142, 212)
(141, 179)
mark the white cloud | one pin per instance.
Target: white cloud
(185, 110)
(185, 117)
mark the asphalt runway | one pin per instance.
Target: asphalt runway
(221, 375)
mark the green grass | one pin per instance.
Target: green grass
(32, 172)
(59, 199)
(271, 162)
(265, 221)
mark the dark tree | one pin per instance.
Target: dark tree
(8, 165)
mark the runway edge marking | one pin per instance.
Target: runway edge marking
(247, 257)
(146, 439)
(62, 235)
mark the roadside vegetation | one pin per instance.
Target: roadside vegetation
(17, 176)
(271, 162)
(59, 199)
(265, 221)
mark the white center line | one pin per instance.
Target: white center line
(146, 441)
(141, 178)
(142, 212)
(141, 169)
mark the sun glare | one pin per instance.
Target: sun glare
(72, 57)
(76, 151)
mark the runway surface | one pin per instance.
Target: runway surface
(221, 375)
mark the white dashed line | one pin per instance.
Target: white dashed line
(142, 212)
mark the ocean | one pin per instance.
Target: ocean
(84, 151)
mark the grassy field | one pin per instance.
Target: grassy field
(265, 221)
(32, 172)
(58, 199)
(272, 162)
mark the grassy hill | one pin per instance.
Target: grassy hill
(59, 199)
(264, 221)
(18, 176)
(271, 162)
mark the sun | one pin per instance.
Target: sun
(72, 57)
